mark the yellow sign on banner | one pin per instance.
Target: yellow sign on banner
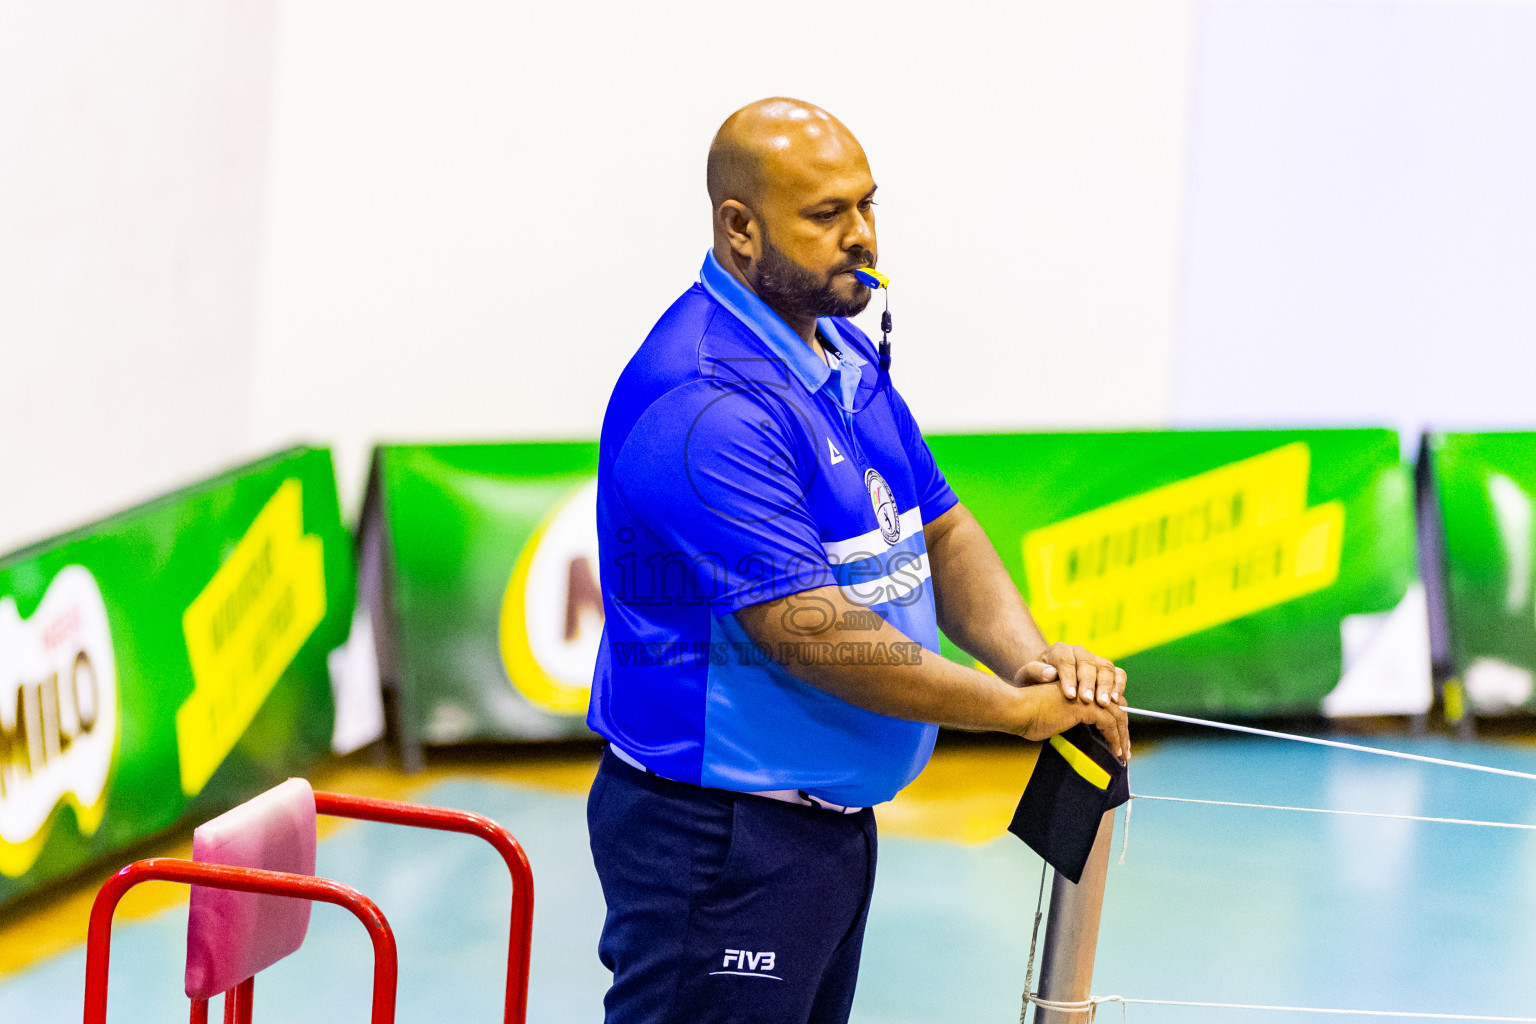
(244, 630)
(1184, 557)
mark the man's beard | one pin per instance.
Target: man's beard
(794, 291)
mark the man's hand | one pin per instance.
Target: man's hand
(1083, 676)
(1050, 712)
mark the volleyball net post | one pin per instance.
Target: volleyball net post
(1072, 933)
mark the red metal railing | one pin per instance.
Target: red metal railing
(520, 939)
(237, 1001)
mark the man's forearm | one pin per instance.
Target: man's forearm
(878, 667)
(979, 608)
(906, 680)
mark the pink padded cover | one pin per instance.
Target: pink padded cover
(233, 935)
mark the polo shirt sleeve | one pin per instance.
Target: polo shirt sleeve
(719, 477)
(934, 496)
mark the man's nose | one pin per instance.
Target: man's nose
(861, 234)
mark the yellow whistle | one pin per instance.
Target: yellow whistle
(872, 277)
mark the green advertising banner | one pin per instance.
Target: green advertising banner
(167, 662)
(1242, 572)
(1485, 484)
(1234, 572)
(486, 607)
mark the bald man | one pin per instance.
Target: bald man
(779, 551)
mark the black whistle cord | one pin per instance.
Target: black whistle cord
(885, 333)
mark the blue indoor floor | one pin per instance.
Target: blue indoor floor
(1213, 904)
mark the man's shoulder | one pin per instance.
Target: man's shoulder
(697, 353)
(669, 355)
(694, 335)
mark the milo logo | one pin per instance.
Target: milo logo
(58, 714)
(552, 612)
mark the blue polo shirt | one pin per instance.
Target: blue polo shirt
(737, 467)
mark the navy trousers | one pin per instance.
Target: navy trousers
(724, 907)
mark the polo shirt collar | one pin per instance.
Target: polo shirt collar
(744, 304)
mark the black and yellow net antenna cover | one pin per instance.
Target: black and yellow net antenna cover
(1080, 762)
(1076, 779)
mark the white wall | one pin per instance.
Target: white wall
(132, 165)
(1362, 217)
(460, 218)
(478, 209)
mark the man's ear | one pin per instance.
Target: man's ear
(741, 229)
